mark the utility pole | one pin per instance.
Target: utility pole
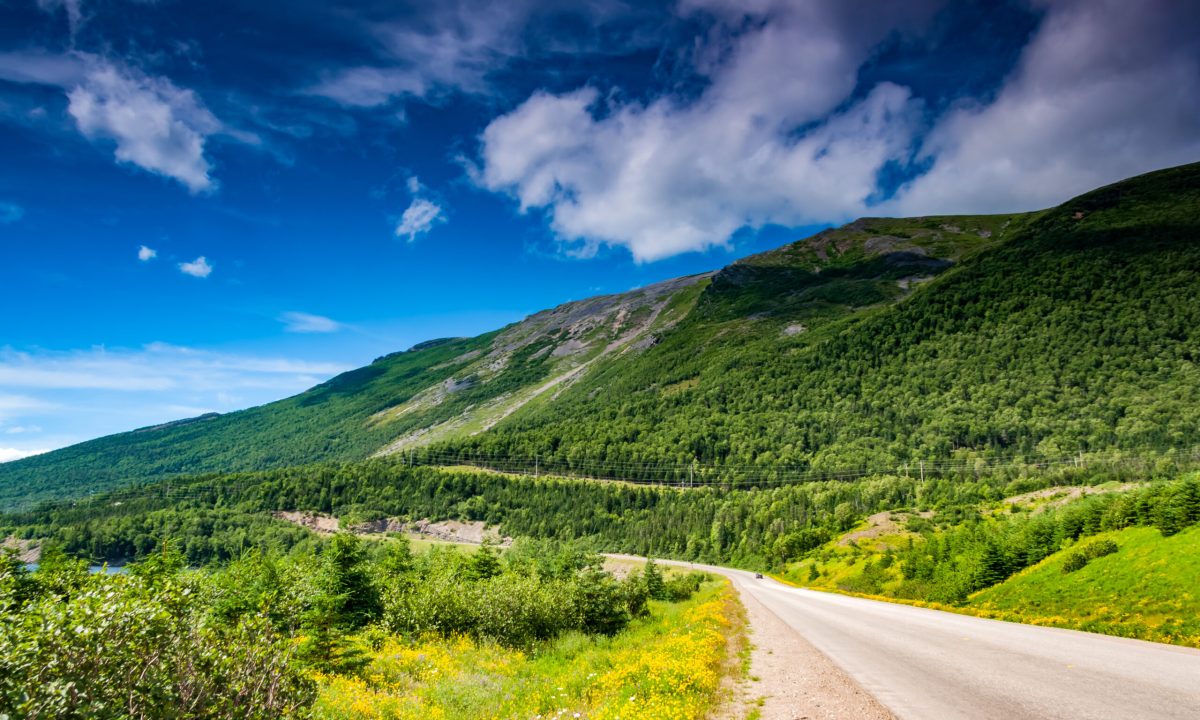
(535, 466)
(922, 471)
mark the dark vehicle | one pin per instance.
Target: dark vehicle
(758, 576)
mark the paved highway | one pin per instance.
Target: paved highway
(929, 665)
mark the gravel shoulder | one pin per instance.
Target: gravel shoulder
(789, 679)
(792, 679)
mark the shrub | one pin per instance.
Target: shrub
(683, 587)
(1074, 561)
(141, 645)
(652, 576)
(1099, 548)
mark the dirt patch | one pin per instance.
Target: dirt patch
(28, 551)
(455, 531)
(1062, 495)
(883, 523)
(323, 524)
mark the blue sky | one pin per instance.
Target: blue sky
(206, 206)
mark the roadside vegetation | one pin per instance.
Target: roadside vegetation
(1121, 562)
(358, 630)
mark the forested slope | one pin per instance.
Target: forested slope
(1079, 330)
(882, 342)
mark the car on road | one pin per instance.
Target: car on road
(758, 576)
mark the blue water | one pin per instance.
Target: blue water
(110, 569)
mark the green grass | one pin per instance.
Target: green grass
(666, 666)
(1148, 589)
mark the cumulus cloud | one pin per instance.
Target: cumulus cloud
(770, 140)
(152, 123)
(1104, 90)
(155, 125)
(146, 254)
(419, 217)
(301, 322)
(197, 268)
(10, 213)
(783, 133)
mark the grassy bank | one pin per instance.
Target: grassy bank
(667, 665)
(1148, 589)
(1122, 560)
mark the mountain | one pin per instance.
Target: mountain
(881, 342)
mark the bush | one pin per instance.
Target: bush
(141, 645)
(683, 587)
(1074, 561)
(1099, 548)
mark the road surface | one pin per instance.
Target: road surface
(928, 664)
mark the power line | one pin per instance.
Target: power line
(691, 475)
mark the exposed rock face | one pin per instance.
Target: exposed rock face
(568, 338)
(456, 531)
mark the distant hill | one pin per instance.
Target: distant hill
(881, 342)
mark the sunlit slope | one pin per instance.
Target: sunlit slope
(1072, 329)
(1146, 589)
(439, 389)
(882, 341)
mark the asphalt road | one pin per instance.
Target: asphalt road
(928, 664)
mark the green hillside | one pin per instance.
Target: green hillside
(1070, 330)
(883, 342)
(1146, 589)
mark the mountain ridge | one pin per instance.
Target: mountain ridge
(850, 346)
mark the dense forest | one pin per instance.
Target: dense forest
(217, 518)
(881, 343)
(1079, 332)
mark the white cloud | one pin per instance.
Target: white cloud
(370, 86)
(21, 429)
(16, 405)
(770, 140)
(153, 124)
(300, 322)
(73, 10)
(782, 133)
(419, 218)
(10, 454)
(145, 254)
(199, 267)
(453, 47)
(1106, 89)
(42, 68)
(155, 369)
(457, 45)
(10, 213)
(70, 396)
